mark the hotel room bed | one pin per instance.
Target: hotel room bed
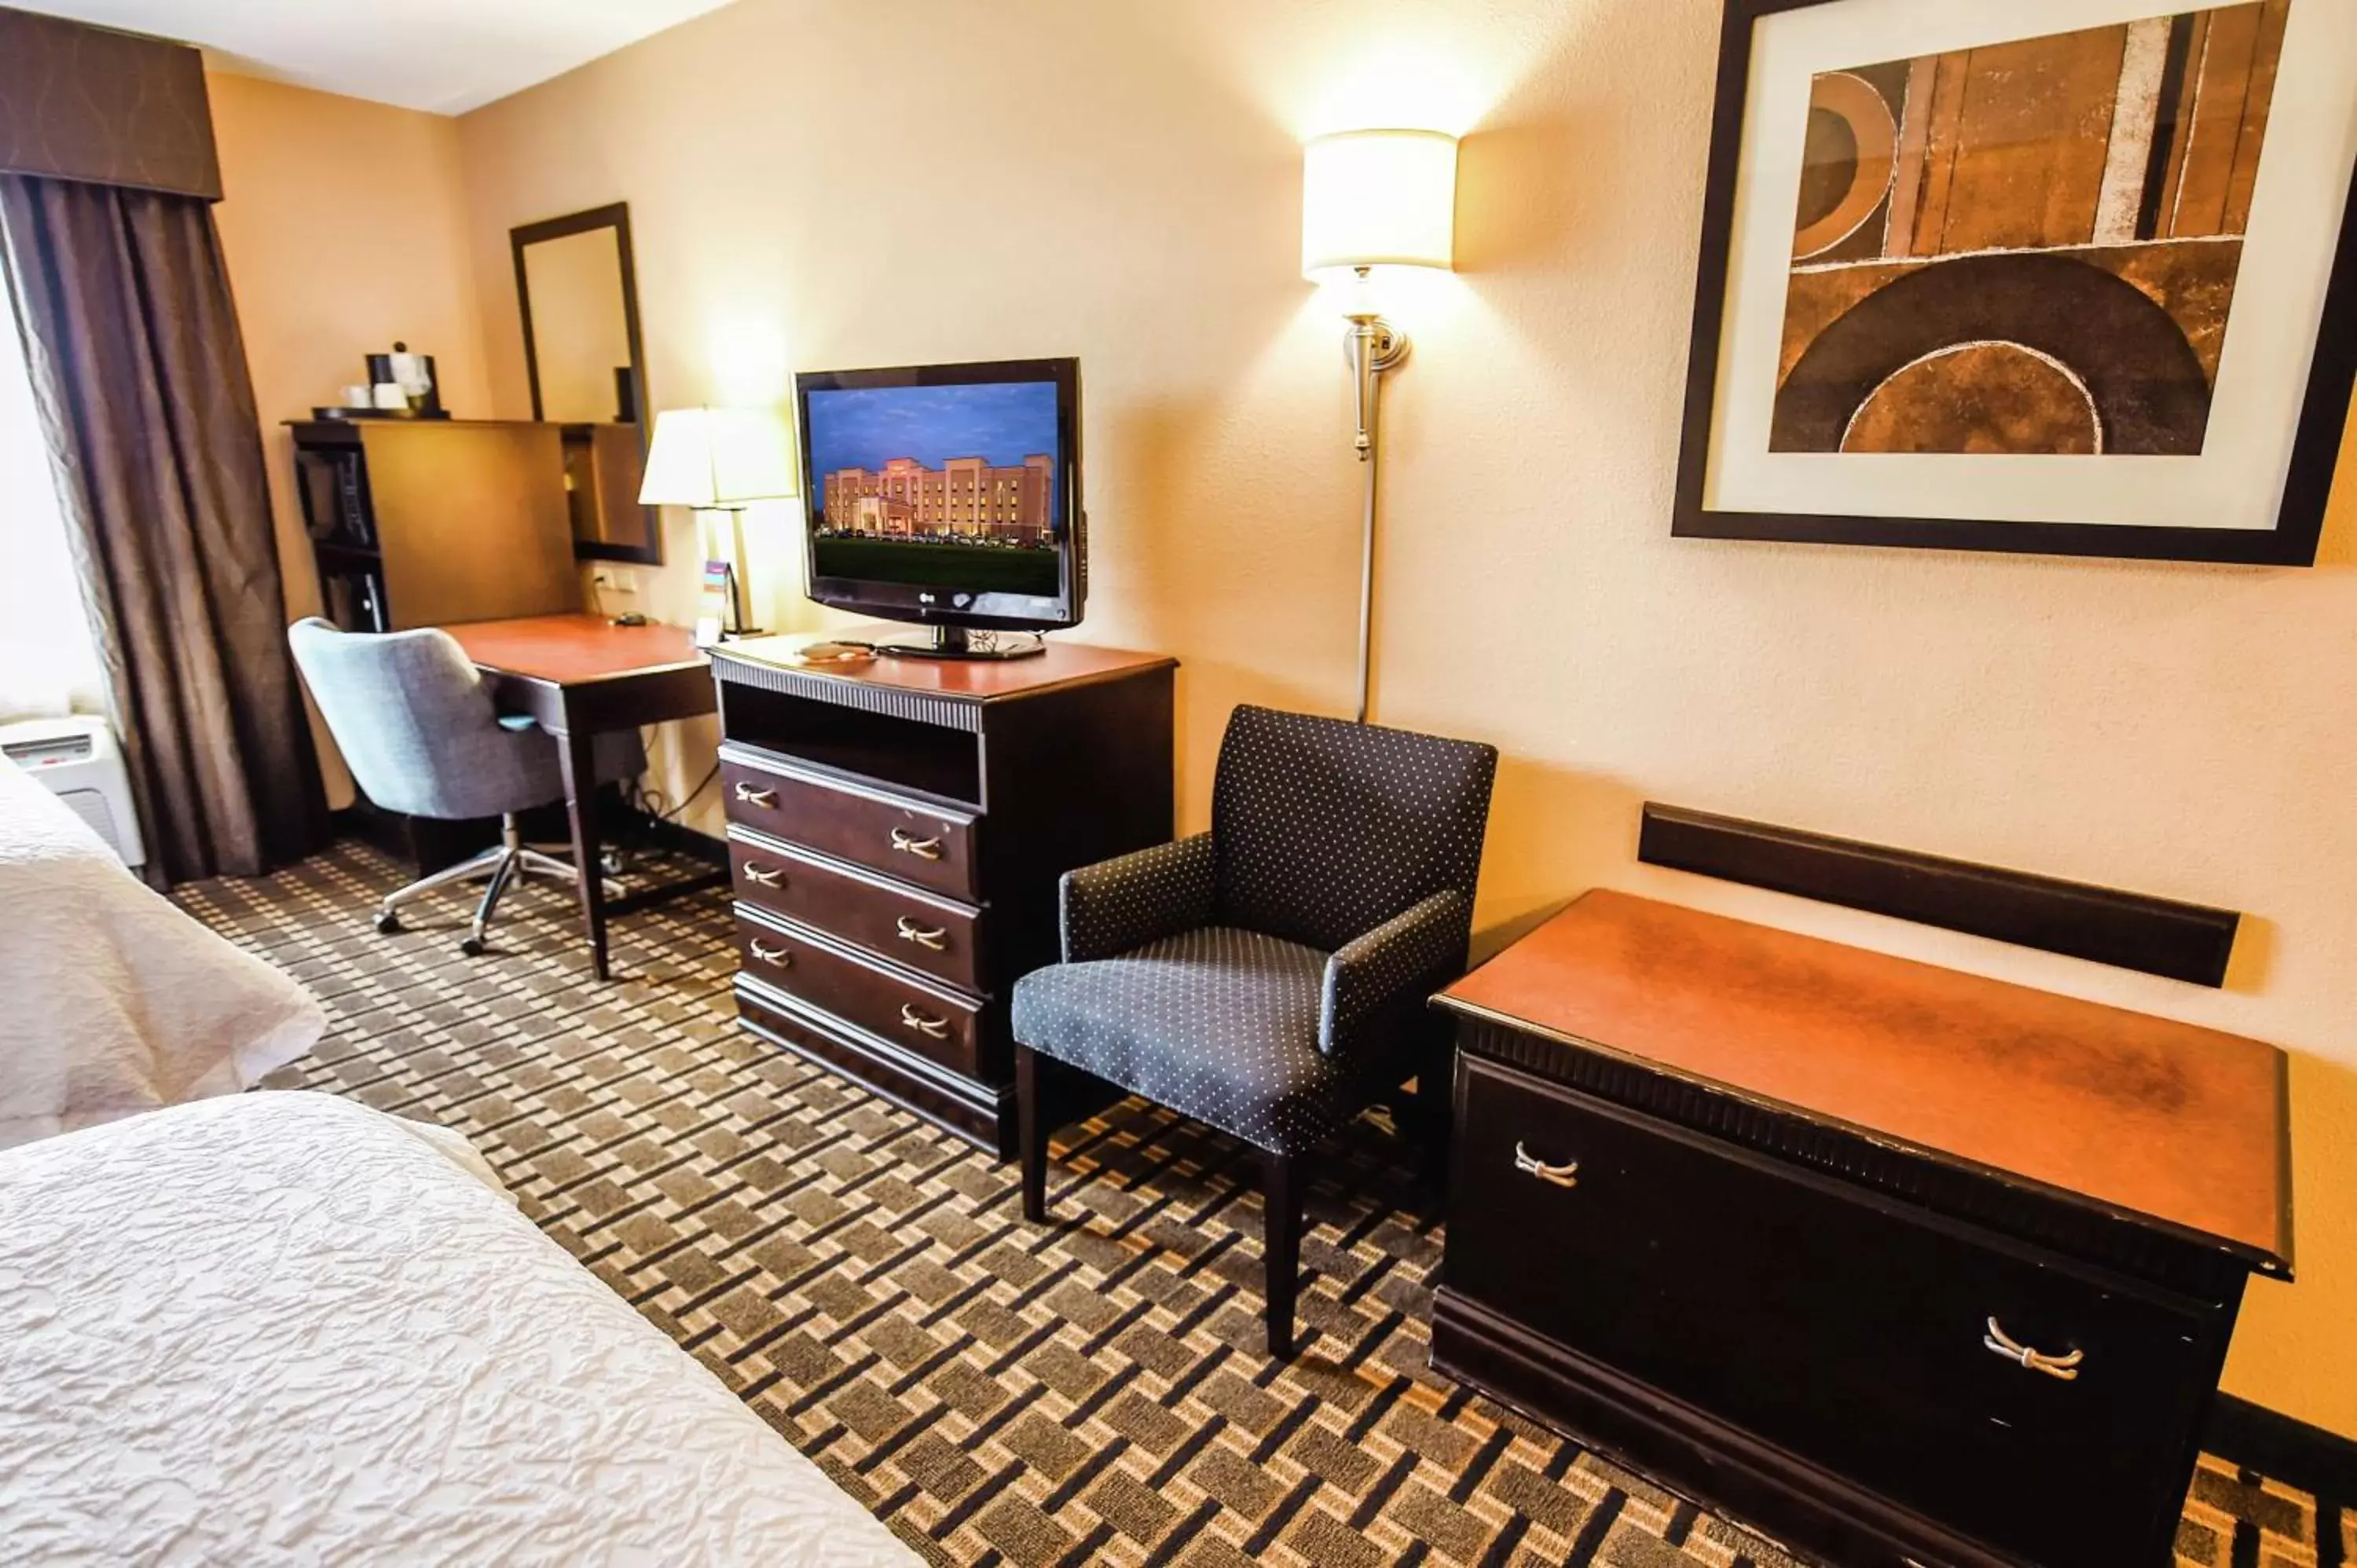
(283, 1327)
(112, 1001)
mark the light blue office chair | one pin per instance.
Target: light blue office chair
(416, 728)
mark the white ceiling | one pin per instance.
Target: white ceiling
(446, 55)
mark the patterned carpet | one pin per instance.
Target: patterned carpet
(1094, 1393)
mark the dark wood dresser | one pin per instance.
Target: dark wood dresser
(898, 829)
(1898, 1264)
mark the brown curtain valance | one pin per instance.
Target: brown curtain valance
(86, 104)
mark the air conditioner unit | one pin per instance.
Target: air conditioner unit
(77, 759)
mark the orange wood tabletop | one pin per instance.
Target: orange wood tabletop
(569, 648)
(978, 680)
(2182, 1123)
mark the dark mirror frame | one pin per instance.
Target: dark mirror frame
(618, 218)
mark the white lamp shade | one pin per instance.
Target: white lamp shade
(717, 458)
(1378, 198)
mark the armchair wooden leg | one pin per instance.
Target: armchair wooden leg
(1031, 1134)
(1281, 1207)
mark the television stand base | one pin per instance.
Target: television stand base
(960, 642)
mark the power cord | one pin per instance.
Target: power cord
(650, 805)
(655, 804)
(705, 783)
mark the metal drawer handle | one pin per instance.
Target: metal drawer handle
(2063, 1367)
(923, 1023)
(923, 936)
(752, 797)
(908, 843)
(778, 957)
(765, 876)
(1563, 1174)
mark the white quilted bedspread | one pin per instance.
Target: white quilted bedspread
(282, 1328)
(112, 1000)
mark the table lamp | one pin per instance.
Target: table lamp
(1374, 200)
(719, 460)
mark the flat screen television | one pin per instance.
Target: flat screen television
(948, 495)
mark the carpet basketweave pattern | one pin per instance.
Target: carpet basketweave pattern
(1095, 1392)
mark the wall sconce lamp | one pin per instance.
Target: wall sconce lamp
(719, 460)
(1369, 199)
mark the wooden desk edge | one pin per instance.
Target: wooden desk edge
(2284, 1243)
(638, 672)
(2275, 1263)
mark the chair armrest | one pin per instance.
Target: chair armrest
(1135, 898)
(1407, 957)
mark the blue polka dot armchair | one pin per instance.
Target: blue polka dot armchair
(1270, 977)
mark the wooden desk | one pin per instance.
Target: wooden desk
(1768, 1217)
(580, 676)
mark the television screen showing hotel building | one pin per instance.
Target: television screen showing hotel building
(938, 487)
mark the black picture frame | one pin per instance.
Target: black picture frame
(2307, 484)
(617, 217)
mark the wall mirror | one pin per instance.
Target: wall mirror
(579, 298)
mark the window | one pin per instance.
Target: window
(46, 664)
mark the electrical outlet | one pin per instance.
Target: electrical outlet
(615, 580)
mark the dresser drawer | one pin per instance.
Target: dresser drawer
(1842, 1327)
(915, 929)
(930, 845)
(934, 1023)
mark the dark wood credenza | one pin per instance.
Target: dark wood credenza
(1896, 1263)
(897, 831)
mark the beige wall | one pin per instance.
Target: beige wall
(344, 225)
(1121, 182)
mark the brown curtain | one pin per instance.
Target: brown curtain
(141, 376)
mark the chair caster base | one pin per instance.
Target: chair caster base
(387, 923)
(474, 947)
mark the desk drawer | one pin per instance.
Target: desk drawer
(939, 1025)
(932, 934)
(1848, 1330)
(930, 845)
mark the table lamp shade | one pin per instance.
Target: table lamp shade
(717, 458)
(1378, 198)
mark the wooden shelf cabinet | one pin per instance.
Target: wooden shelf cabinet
(436, 522)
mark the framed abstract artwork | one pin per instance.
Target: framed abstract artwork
(2062, 276)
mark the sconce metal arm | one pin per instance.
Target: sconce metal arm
(1373, 345)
